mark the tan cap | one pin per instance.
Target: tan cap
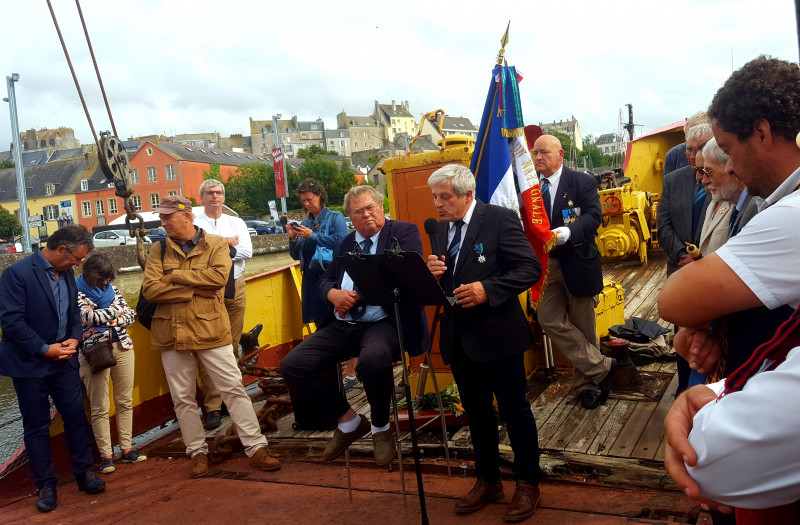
(172, 204)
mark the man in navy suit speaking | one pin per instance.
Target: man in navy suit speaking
(39, 351)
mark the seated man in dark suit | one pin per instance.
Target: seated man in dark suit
(353, 328)
(488, 262)
(39, 350)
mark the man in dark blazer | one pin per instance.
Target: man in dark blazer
(488, 262)
(353, 328)
(566, 312)
(41, 334)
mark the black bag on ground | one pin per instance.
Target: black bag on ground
(307, 412)
(99, 355)
(144, 308)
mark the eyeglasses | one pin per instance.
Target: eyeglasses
(363, 211)
(212, 193)
(705, 172)
(77, 260)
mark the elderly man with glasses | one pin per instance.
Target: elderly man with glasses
(353, 328)
(714, 177)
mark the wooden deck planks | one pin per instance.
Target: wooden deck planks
(653, 434)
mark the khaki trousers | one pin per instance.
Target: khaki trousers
(99, 402)
(180, 367)
(236, 308)
(569, 322)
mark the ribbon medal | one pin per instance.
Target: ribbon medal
(479, 251)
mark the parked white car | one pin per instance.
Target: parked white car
(115, 238)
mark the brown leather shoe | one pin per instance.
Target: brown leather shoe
(199, 465)
(341, 441)
(524, 502)
(383, 447)
(263, 459)
(481, 494)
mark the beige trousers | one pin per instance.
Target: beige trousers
(99, 402)
(180, 367)
(236, 308)
(569, 322)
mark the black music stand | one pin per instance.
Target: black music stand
(405, 277)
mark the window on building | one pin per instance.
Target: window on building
(331, 144)
(112, 207)
(137, 203)
(356, 145)
(49, 189)
(314, 127)
(151, 174)
(50, 213)
(170, 168)
(288, 139)
(341, 143)
(172, 193)
(87, 208)
(393, 122)
(99, 207)
(84, 184)
(154, 200)
(134, 177)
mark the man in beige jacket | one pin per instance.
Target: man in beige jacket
(190, 324)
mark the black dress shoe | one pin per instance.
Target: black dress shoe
(589, 398)
(213, 420)
(47, 499)
(481, 494)
(605, 384)
(90, 484)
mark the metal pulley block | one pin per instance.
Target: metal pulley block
(114, 163)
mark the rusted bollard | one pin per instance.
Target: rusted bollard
(626, 377)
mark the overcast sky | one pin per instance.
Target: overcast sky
(188, 67)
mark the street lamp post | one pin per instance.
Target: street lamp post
(21, 192)
(278, 145)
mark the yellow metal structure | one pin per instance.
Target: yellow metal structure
(630, 211)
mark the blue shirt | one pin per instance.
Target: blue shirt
(58, 286)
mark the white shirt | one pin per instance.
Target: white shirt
(747, 447)
(563, 232)
(451, 232)
(229, 226)
(765, 253)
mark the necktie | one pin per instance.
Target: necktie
(700, 194)
(697, 209)
(734, 213)
(455, 244)
(546, 195)
(358, 310)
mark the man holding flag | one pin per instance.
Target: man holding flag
(566, 313)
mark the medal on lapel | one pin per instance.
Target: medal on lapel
(479, 251)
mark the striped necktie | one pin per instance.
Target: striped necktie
(546, 195)
(366, 246)
(700, 194)
(455, 244)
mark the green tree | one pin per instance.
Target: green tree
(8, 163)
(250, 188)
(593, 153)
(9, 224)
(213, 174)
(312, 152)
(336, 181)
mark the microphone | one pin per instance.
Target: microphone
(432, 229)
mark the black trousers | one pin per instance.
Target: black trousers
(64, 385)
(505, 379)
(306, 368)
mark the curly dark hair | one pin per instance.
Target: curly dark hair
(97, 268)
(310, 185)
(71, 237)
(765, 87)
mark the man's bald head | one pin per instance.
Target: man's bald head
(547, 155)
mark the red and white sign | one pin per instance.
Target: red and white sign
(280, 177)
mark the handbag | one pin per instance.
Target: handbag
(144, 308)
(100, 355)
(323, 257)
